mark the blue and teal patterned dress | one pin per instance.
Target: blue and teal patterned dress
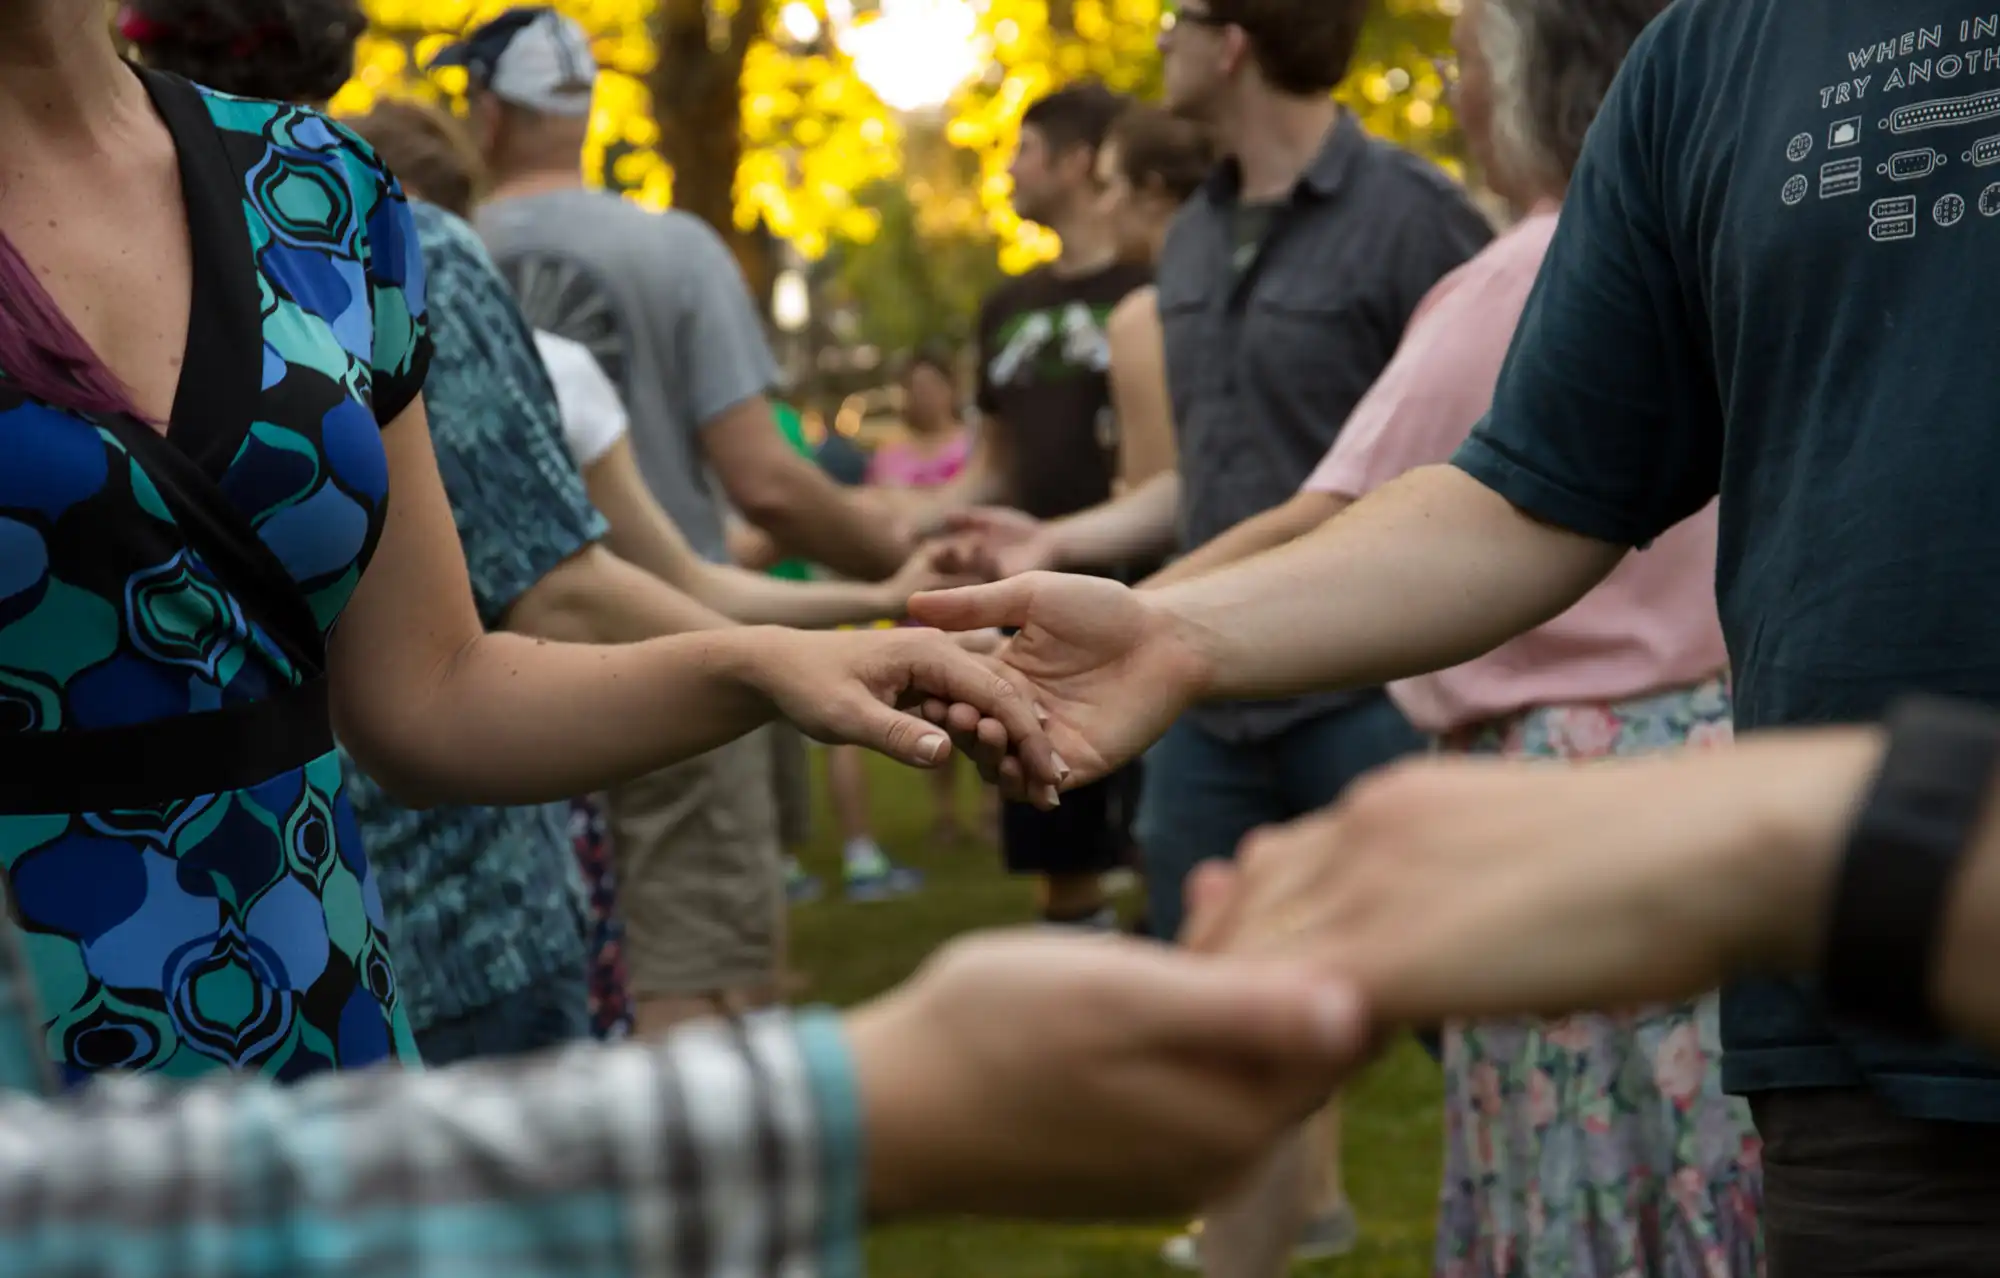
(179, 852)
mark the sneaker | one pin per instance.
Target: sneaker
(1324, 1237)
(872, 876)
(801, 888)
(884, 884)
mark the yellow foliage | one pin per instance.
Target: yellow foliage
(1394, 88)
(814, 133)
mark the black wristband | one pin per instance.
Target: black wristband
(1902, 858)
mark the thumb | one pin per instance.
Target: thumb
(1270, 1014)
(1004, 603)
(904, 737)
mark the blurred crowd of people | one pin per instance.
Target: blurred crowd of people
(1289, 498)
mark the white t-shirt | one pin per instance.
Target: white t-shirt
(593, 417)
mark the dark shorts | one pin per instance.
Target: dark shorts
(547, 1014)
(1091, 833)
(1207, 794)
(1854, 1190)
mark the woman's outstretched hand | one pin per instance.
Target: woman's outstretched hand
(862, 687)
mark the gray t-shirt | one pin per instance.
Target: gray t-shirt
(658, 299)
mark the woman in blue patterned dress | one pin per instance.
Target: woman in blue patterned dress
(212, 352)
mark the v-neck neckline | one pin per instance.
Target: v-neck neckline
(215, 397)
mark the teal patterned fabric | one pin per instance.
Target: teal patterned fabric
(239, 929)
(484, 903)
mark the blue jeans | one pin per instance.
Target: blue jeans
(1203, 796)
(549, 1013)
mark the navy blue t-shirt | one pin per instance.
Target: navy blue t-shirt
(1773, 280)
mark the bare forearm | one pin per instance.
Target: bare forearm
(1966, 994)
(1276, 527)
(602, 673)
(514, 719)
(1134, 527)
(754, 599)
(1782, 854)
(597, 597)
(817, 521)
(1429, 571)
(727, 593)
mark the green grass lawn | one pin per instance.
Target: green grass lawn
(850, 952)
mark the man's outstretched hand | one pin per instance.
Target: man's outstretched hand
(1110, 668)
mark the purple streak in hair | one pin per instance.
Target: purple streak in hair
(42, 353)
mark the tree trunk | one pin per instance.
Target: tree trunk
(698, 104)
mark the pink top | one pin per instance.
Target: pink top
(1650, 626)
(904, 465)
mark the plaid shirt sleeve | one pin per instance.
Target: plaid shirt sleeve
(727, 1151)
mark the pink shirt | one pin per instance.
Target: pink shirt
(1650, 626)
(903, 465)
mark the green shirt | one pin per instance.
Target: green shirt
(795, 434)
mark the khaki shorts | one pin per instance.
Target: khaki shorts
(701, 878)
(791, 782)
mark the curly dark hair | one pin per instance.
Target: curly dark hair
(285, 50)
(1078, 114)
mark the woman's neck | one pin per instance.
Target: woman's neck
(1530, 202)
(60, 77)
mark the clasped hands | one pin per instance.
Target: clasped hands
(1435, 889)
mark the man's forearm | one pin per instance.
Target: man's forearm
(1423, 574)
(1967, 996)
(1275, 527)
(817, 521)
(1133, 528)
(573, 1162)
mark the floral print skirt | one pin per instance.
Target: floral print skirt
(610, 993)
(1600, 1145)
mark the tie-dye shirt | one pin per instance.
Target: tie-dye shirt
(484, 902)
(187, 908)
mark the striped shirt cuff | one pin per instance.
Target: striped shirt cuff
(731, 1150)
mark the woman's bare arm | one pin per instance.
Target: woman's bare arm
(1146, 445)
(644, 535)
(440, 711)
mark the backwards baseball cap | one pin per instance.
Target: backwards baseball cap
(531, 56)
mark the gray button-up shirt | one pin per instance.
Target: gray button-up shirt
(1272, 341)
